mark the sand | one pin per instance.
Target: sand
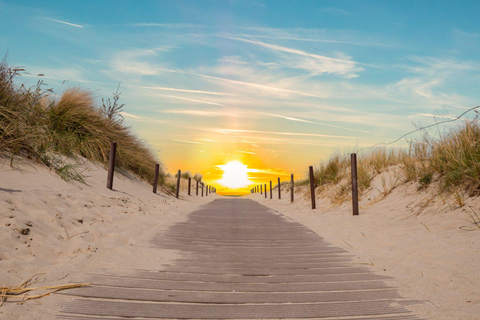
(419, 238)
(70, 229)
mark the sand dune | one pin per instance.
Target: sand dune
(427, 243)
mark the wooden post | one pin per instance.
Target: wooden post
(261, 189)
(265, 190)
(206, 191)
(202, 188)
(155, 179)
(197, 188)
(279, 191)
(177, 192)
(189, 184)
(312, 186)
(291, 188)
(111, 165)
(271, 195)
(353, 158)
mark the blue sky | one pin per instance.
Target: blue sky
(278, 85)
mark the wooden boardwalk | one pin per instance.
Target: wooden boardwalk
(241, 260)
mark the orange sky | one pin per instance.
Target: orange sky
(208, 164)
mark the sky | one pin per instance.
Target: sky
(275, 85)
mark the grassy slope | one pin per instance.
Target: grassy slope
(452, 161)
(60, 132)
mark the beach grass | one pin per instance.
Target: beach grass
(60, 132)
(452, 160)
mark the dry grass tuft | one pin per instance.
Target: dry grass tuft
(12, 294)
(60, 132)
(452, 160)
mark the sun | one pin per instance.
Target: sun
(235, 175)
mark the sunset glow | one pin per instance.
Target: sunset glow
(246, 92)
(235, 175)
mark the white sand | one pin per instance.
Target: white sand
(76, 229)
(412, 236)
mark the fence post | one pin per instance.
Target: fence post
(353, 158)
(155, 179)
(312, 186)
(202, 188)
(265, 190)
(206, 190)
(177, 192)
(196, 192)
(261, 189)
(291, 188)
(279, 191)
(271, 195)
(111, 165)
(189, 184)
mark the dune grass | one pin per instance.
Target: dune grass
(452, 160)
(60, 132)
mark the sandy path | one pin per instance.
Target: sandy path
(239, 260)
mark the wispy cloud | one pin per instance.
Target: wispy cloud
(179, 90)
(242, 151)
(351, 37)
(300, 38)
(431, 115)
(430, 75)
(191, 100)
(202, 113)
(139, 118)
(314, 62)
(129, 63)
(313, 122)
(165, 25)
(255, 85)
(187, 141)
(64, 22)
(129, 115)
(232, 59)
(227, 131)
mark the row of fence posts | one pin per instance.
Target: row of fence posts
(206, 189)
(262, 189)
